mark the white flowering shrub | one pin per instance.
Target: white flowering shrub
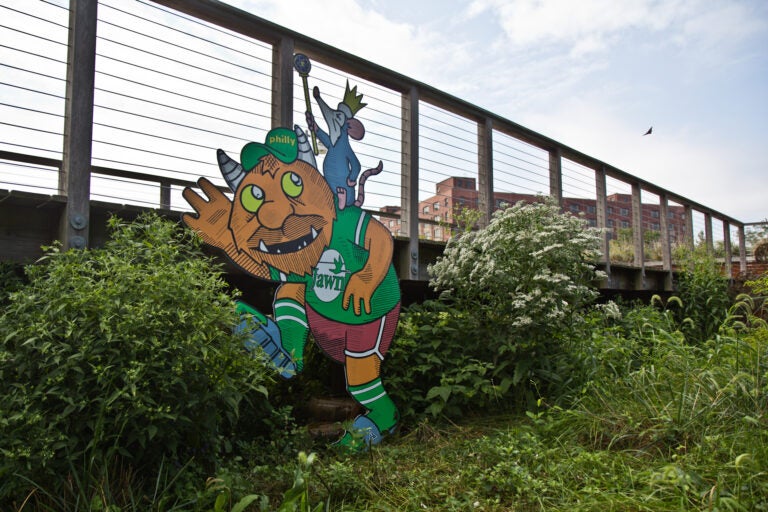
(523, 280)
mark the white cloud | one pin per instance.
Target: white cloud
(409, 49)
(532, 22)
(589, 74)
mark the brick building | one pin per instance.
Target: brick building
(455, 193)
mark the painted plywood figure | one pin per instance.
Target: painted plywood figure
(333, 261)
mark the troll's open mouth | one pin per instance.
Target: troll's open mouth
(290, 246)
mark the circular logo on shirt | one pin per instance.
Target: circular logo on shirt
(330, 276)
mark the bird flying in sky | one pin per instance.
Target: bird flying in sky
(650, 131)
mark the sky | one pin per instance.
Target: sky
(591, 74)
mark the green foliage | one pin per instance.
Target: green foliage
(759, 286)
(11, 279)
(465, 218)
(696, 409)
(704, 294)
(511, 291)
(296, 499)
(119, 357)
(432, 370)
(223, 497)
(655, 423)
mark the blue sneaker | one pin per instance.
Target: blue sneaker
(362, 435)
(266, 334)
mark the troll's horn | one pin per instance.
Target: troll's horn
(232, 171)
(305, 149)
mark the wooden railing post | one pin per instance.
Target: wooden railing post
(75, 175)
(409, 190)
(556, 175)
(708, 233)
(165, 194)
(282, 83)
(602, 214)
(727, 247)
(637, 231)
(742, 250)
(485, 198)
(666, 244)
(689, 226)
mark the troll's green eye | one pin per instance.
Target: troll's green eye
(292, 184)
(251, 198)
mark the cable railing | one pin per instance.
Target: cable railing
(175, 80)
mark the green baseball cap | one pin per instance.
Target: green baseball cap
(280, 142)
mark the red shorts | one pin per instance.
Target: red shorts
(339, 340)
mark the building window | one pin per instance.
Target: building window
(436, 206)
(590, 209)
(592, 222)
(438, 218)
(624, 224)
(671, 215)
(446, 202)
(655, 226)
(610, 223)
(426, 210)
(654, 214)
(610, 210)
(625, 212)
(574, 207)
(438, 233)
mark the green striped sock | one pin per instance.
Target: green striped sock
(381, 409)
(291, 317)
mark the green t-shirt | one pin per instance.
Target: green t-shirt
(345, 255)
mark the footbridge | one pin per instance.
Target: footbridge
(113, 108)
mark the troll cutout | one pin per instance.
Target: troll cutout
(334, 263)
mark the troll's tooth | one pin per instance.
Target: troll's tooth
(314, 233)
(263, 247)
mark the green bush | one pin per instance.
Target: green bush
(759, 289)
(119, 357)
(11, 279)
(703, 290)
(702, 408)
(432, 370)
(511, 293)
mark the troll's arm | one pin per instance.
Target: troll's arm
(362, 284)
(211, 221)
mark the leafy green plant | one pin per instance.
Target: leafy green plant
(703, 292)
(224, 498)
(431, 370)
(11, 279)
(520, 284)
(759, 289)
(296, 499)
(121, 356)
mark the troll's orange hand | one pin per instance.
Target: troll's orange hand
(361, 287)
(212, 219)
